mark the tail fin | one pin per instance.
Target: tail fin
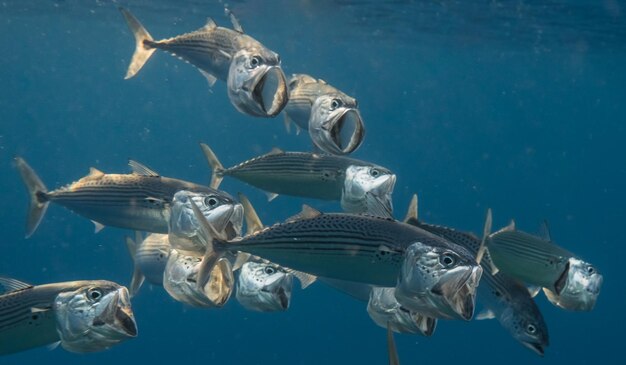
(142, 50)
(37, 191)
(138, 277)
(216, 165)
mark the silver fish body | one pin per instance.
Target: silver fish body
(384, 309)
(364, 249)
(138, 201)
(256, 83)
(85, 316)
(264, 287)
(224, 214)
(331, 117)
(151, 257)
(570, 282)
(360, 186)
(503, 297)
(183, 280)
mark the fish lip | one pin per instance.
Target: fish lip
(337, 124)
(280, 95)
(462, 299)
(118, 313)
(125, 317)
(536, 347)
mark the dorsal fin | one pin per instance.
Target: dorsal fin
(486, 233)
(306, 213)
(253, 222)
(275, 151)
(511, 226)
(94, 172)
(544, 231)
(322, 82)
(210, 24)
(9, 285)
(233, 19)
(411, 212)
(141, 169)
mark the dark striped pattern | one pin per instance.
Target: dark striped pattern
(525, 246)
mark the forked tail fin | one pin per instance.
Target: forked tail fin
(142, 50)
(216, 166)
(37, 192)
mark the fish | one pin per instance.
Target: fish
(360, 248)
(84, 316)
(385, 310)
(361, 187)
(264, 287)
(255, 80)
(189, 280)
(139, 201)
(149, 256)
(183, 227)
(331, 117)
(568, 281)
(503, 297)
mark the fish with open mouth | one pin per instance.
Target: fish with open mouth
(255, 81)
(360, 186)
(568, 282)
(360, 248)
(331, 117)
(139, 201)
(183, 227)
(502, 297)
(264, 287)
(84, 316)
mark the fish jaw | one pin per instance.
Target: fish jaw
(337, 131)
(578, 287)
(86, 324)
(426, 287)
(262, 292)
(257, 88)
(384, 309)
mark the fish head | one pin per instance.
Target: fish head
(182, 281)
(439, 282)
(218, 208)
(264, 287)
(335, 124)
(94, 317)
(383, 308)
(368, 189)
(577, 288)
(256, 83)
(527, 326)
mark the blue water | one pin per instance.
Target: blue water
(515, 105)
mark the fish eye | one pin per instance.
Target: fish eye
(210, 201)
(94, 294)
(374, 172)
(591, 270)
(335, 103)
(255, 61)
(448, 259)
(530, 328)
(269, 270)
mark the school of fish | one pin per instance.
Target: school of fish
(189, 238)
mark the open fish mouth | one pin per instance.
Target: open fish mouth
(270, 93)
(459, 296)
(118, 315)
(347, 131)
(227, 219)
(561, 282)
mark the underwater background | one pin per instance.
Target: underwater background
(515, 105)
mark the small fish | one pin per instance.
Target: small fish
(255, 81)
(360, 186)
(150, 256)
(503, 297)
(183, 227)
(84, 316)
(331, 117)
(264, 287)
(364, 249)
(568, 281)
(384, 310)
(189, 280)
(139, 201)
